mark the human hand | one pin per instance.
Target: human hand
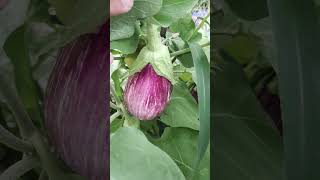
(120, 6)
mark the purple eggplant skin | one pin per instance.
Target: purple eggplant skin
(76, 105)
(147, 94)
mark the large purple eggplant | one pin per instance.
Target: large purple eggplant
(76, 105)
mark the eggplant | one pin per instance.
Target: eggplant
(147, 94)
(77, 107)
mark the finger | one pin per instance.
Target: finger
(120, 6)
(111, 58)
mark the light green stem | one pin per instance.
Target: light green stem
(153, 37)
(187, 50)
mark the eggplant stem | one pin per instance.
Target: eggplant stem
(153, 37)
(114, 116)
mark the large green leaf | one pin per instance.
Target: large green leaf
(172, 10)
(83, 15)
(228, 23)
(181, 145)
(133, 157)
(22, 72)
(249, 9)
(181, 102)
(244, 143)
(128, 45)
(186, 29)
(123, 26)
(297, 38)
(202, 69)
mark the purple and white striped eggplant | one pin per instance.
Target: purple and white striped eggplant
(76, 105)
(147, 94)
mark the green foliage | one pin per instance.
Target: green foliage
(23, 74)
(172, 10)
(179, 143)
(246, 145)
(79, 14)
(138, 42)
(247, 139)
(168, 147)
(132, 156)
(180, 103)
(123, 26)
(296, 32)
(249, 9)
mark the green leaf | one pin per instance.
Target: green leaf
(133, 157)
(186, 27)
(83, 15)
(249, 9)
(23, 74)
(115, 125)
(244, 143)
(185, 59)
(202, 68)
(128, 45)
(243, 48)
(18, 10)
(159, 59)
(172, 10)
(297, 36)
(117, 84)
(122, 26)
(181, 145)
(10, 97)
(181, 102)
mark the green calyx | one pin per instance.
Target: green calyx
(156, 54)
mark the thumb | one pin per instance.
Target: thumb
(120, 6)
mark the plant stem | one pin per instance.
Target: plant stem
(186, 50)
(116, 98)
(30, 133)
(10, 140)
(114, 106)
(153, 37)
(8, 92)
(20, 168)
(129, 120)
(114, 116)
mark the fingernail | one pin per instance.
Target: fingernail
(127, 4)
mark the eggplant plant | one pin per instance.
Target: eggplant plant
(61, 118)
(161, 55)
